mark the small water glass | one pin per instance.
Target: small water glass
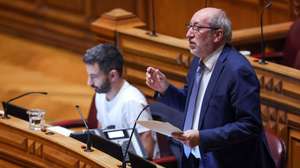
(36, 119)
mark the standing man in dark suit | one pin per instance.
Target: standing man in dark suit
(222, 124)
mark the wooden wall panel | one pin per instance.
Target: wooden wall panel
(243, 13)
(279, 12)
(57, 23)
(67, 22)
(64, 23)
(76, 6)
(294, 149)
(171, 19)
(246, 13)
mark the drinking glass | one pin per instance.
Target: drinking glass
(36, 119)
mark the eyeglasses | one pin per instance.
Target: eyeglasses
(198, 28)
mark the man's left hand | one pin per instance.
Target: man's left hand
(189, 137)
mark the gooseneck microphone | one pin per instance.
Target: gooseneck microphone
(88, 141)
(130, 138)
(17, 97)
(262, 59)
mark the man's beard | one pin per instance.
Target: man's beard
(104, 88)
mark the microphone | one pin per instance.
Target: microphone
(262, 59)
(88, 141)
(130, 138)
(17, 97)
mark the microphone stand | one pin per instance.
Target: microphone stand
(129, 141)
(88, 133)
(5, 116)
(153, 31)
(262, 59)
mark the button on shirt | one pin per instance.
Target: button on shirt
(209, 63)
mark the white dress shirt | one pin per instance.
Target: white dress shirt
(209, 63)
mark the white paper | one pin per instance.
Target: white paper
(60, 130)
(164, 128)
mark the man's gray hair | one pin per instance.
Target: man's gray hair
(221, 20)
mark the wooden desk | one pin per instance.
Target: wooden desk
(21, 147)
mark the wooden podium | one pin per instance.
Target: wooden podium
(21, 147)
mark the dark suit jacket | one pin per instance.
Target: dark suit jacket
(230, 125)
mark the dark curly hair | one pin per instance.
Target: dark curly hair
(106, 56)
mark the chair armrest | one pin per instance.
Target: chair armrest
(68, 123)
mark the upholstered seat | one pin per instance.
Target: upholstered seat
(277, 149)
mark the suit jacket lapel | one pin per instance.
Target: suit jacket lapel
(212, 83)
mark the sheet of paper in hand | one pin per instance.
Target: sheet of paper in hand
(164, 128)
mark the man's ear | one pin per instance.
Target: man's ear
(113, 75)
(219, 35)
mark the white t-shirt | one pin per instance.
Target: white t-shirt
(123, 109)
